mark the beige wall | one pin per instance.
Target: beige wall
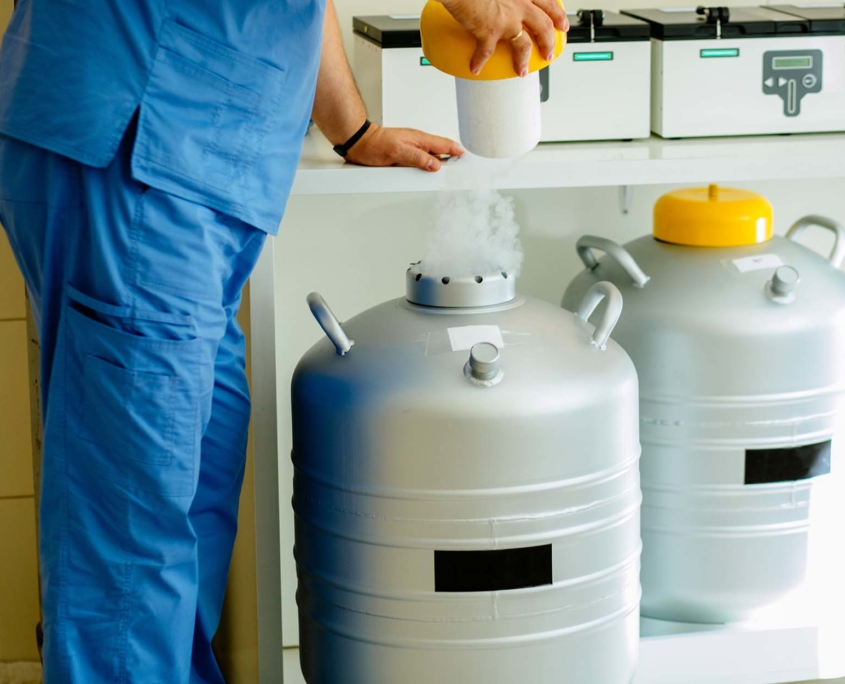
(18, 566)
(19, 610)
(6, 7)
(236, 644)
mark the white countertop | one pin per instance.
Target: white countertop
(560, 165)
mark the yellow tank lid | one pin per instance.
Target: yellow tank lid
(713, 217)
(449, 47)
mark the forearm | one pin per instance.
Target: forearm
(338, 108)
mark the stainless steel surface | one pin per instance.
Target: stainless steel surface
(329, 323)
(587, 243)
(398, 456)
(837, 254)
(724, 369)
(613, 308)
(450, 290)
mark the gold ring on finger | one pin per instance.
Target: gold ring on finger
(517, 36)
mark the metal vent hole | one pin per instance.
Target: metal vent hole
(479, 279)
(446, 280)
(419, 277)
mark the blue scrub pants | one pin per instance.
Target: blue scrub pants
(146, 408)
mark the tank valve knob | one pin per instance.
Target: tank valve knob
(483, 364)
(781, 288)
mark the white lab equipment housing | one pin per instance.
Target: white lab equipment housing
(747, 70)
(598, 89)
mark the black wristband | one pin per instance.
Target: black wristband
(343, 150)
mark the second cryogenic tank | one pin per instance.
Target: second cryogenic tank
(738, 337)
(466, 490)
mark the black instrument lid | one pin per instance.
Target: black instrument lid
(389, 31)
(829, 19)
(609, 27)
(403, 31)
(744, 22)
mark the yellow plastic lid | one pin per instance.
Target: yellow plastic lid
(713, 217)
(449, 47)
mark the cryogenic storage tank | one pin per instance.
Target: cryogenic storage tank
(467, 490)
(739, 342)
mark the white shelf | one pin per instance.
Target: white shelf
(740, 654)
(641, 162)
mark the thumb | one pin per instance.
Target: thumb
(412, 156)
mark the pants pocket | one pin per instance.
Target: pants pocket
(142, 414)
(138, 396)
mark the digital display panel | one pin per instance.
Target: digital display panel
(793, 62)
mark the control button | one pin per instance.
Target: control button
(792, 98)
(781, 81)
(809, 80)
(769, 83)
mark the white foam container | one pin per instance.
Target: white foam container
(499, 119)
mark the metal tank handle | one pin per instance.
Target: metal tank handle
(329, 323)
(837, 255)
(615, 251)
(599, 291)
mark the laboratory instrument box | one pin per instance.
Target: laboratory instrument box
(723, 71)
(599, 89)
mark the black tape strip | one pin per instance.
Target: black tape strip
(787, 465)
(499, 570)
(544, 84)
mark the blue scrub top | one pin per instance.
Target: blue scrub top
(224, 90)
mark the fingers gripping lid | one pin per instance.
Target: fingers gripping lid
(713, 217)
(450, 47)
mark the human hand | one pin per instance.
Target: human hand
(513, 20)
(402, 147)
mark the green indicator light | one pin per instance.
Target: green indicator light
(592, 56)
(424, 62)
(720, 52)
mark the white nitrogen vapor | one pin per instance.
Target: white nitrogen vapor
(475, 233)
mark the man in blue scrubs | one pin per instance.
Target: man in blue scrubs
(146, 149)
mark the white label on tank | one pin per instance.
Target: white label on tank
(757, 263)
(464, 339)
